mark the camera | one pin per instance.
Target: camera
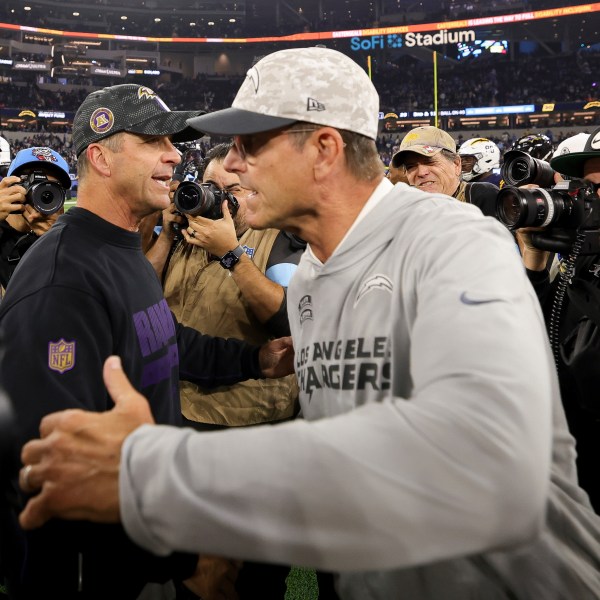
(571, 206)
(520, 168)
(203, 199)
(46, 196)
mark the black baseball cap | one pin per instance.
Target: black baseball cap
(129, 107)
(571, 164)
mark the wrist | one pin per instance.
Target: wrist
(535, 260)
(231, 258)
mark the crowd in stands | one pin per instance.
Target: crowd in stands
(403, 85)
(407, 84)
(489, 81)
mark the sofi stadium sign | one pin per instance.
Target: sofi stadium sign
(397, 40)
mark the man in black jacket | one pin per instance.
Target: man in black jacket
(86, 291)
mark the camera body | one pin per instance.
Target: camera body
(203, 199)
(569, 207)
(46, 196)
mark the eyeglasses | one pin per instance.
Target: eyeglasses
(248, 145)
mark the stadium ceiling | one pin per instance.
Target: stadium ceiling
(238, 18)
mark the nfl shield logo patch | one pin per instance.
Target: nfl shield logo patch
(61, 355)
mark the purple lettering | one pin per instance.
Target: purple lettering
(160, 369)
(157, 325)
(146, 337)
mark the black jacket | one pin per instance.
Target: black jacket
(84, 292)
(13, 245)
(577, 353)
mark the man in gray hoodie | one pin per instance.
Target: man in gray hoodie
(433, 460)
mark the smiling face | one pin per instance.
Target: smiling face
(435, 174)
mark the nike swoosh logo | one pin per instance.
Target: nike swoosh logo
(473, 301)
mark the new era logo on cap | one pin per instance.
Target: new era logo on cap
(313, 104)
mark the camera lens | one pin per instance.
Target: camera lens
(520, 168)
(194, 199)
(187, 199)
(47, 197)
(537, 207)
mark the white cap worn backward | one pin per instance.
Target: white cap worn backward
(315, 85)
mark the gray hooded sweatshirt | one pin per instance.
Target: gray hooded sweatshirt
(433, 461)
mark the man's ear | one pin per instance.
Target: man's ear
(330, 147)
(99, 159)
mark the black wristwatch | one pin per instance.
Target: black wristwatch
(231, 258)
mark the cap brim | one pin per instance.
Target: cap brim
(171, 123)
(235, 121)
(397, 159)
(63, 178)
(572, 164)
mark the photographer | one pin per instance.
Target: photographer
(243, 299)
(21, 223)
(571, 303)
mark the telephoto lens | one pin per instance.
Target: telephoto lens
(520, 168)
(565, 205)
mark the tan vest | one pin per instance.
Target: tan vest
(203, 295)
(459, 194)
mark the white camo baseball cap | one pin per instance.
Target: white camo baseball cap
(315, 85)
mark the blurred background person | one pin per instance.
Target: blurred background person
(480, 161)
(537, 145)
(5, 156)
(395, 172)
